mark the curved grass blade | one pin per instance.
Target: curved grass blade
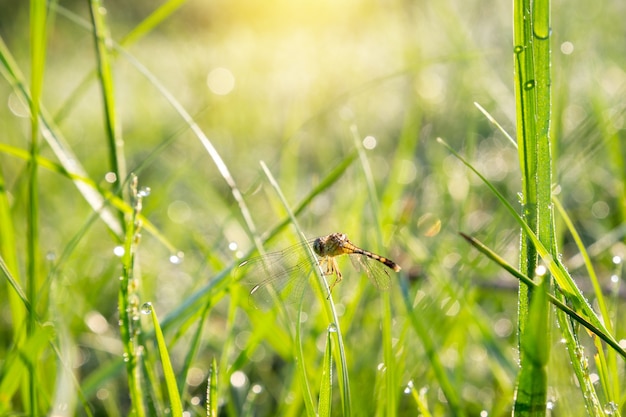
(57, 143)
(565, 282)
(168, 371)
(598, 331)
(329, 305)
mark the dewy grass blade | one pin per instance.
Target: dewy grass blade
(329, 305)
(128, 308)
(602, 334)
(211, 391)
(532, 92)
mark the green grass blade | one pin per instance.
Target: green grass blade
(168, 371)
(194, 347)
(391, 392)
(326, 386)
(609, 361)
(598, 331)
(193, 302)
(302, 375)
(329, 305)
(102, 40)
(447, 386)
(212, 401)
(532, 72)
(204, 140)
(563, 279)
(420, 400)
(129, 308)
(52, 135)
(152, 21)
(38, 38)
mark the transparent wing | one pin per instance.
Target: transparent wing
(278, 276)
(375, 270)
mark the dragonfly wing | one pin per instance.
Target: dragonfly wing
(277, 276)
(375, 270)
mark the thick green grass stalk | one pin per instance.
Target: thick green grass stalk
(531, 22)
(38, 17)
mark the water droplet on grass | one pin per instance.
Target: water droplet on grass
(409, 387)
(529, 85)
(332, 328)
(144, 192)
(146, 308)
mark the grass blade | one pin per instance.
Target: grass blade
(211, 391)
(447, 387)
(128, 305)
(598, 331)
(168, 371)
(38, 38)
(326, 386)
(329, 306)
(102, 40)
(533, 105)
(302, 375)
(391, 391)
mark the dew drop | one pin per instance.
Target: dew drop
(125, 357)
(332, 328)
(146, 308)
(518, 49)
(529, 85)
(118, 251)
(144, 192)
(610, 409)
(409, 387)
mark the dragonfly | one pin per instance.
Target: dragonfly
(284, 274)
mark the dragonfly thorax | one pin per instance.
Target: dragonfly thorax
(330, 245)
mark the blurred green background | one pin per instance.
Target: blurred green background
(289, 83)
